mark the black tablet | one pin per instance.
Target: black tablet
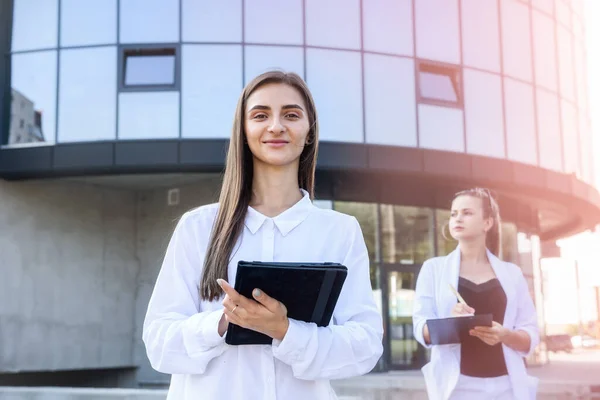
(308, 290)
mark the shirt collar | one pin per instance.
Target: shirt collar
(286, 221)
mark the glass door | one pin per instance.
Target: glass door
(402, 350)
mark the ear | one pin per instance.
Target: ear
(488, 224)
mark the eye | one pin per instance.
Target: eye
(260, 116)
(292, 115)
(453, 214)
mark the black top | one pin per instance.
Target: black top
(477, 358)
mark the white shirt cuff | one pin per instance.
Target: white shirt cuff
(202, 331)
(289, 350)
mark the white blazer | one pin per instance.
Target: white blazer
(434, 299)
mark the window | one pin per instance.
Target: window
(22, 124)
(149, 69)
(439, 84)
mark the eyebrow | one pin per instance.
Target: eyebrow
(286, 107)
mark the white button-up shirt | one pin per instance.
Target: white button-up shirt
(180, 330)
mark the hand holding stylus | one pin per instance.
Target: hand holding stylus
(461, 309)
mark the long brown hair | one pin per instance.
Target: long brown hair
(236, 190)
(493, 238)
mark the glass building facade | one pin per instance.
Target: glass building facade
(417, 99)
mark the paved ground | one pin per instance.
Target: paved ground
(565, 377)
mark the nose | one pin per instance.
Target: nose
(276, 127)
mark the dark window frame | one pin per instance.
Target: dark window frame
(453, 71)
(149, 50)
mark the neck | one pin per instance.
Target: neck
(473, 252)
(274, 189)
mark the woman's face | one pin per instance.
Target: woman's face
(467, 221)
(277, 125)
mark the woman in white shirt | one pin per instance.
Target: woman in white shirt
(265, 213)
(489, 363)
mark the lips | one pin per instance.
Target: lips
(276, 142)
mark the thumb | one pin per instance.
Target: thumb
(270, 303)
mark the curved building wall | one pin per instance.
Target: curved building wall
(498, 78)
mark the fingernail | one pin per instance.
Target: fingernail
(257, 292)
(220, 282)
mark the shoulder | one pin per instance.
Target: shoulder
(514, 270)
(336, 218)
(199, 217)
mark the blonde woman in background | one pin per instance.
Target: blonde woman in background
(489, 363)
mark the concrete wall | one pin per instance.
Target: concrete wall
(156, 221)
(68, 274)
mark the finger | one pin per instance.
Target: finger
(237, 298)
(232, 317)
(270, 303)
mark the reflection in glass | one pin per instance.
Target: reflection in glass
(33, 93)
(407, 234)
(26, 121)
(404, 349)
(366, 214)
(149, 67)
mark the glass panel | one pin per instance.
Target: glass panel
(149, 115)
(483, 114)
(544, 5)
(390, 90)
(549, 130)
(139, 20)
(437, 30)
(388, 26)
(264, 17)
(520, 121)
(151, 67)
(544, 51)
(437, 87)
(259, 59)
(441, 128)
(565, 63)
(445, 243)
(35, 24)
(211, 21)
(516, 40)
(33, 109)
(335, 80)
(203, 72)
(510, 251)
(404, 349)
(333, 23)
(406, 234)
(366, 214)
(570, 138)
(563, 13)
(88, 90)
(480, 35)
(88, 23)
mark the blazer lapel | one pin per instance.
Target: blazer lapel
(450, 274)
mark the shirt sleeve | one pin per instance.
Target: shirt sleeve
(350, 346)
(526, 319)
(179, 337)
(424, 307)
